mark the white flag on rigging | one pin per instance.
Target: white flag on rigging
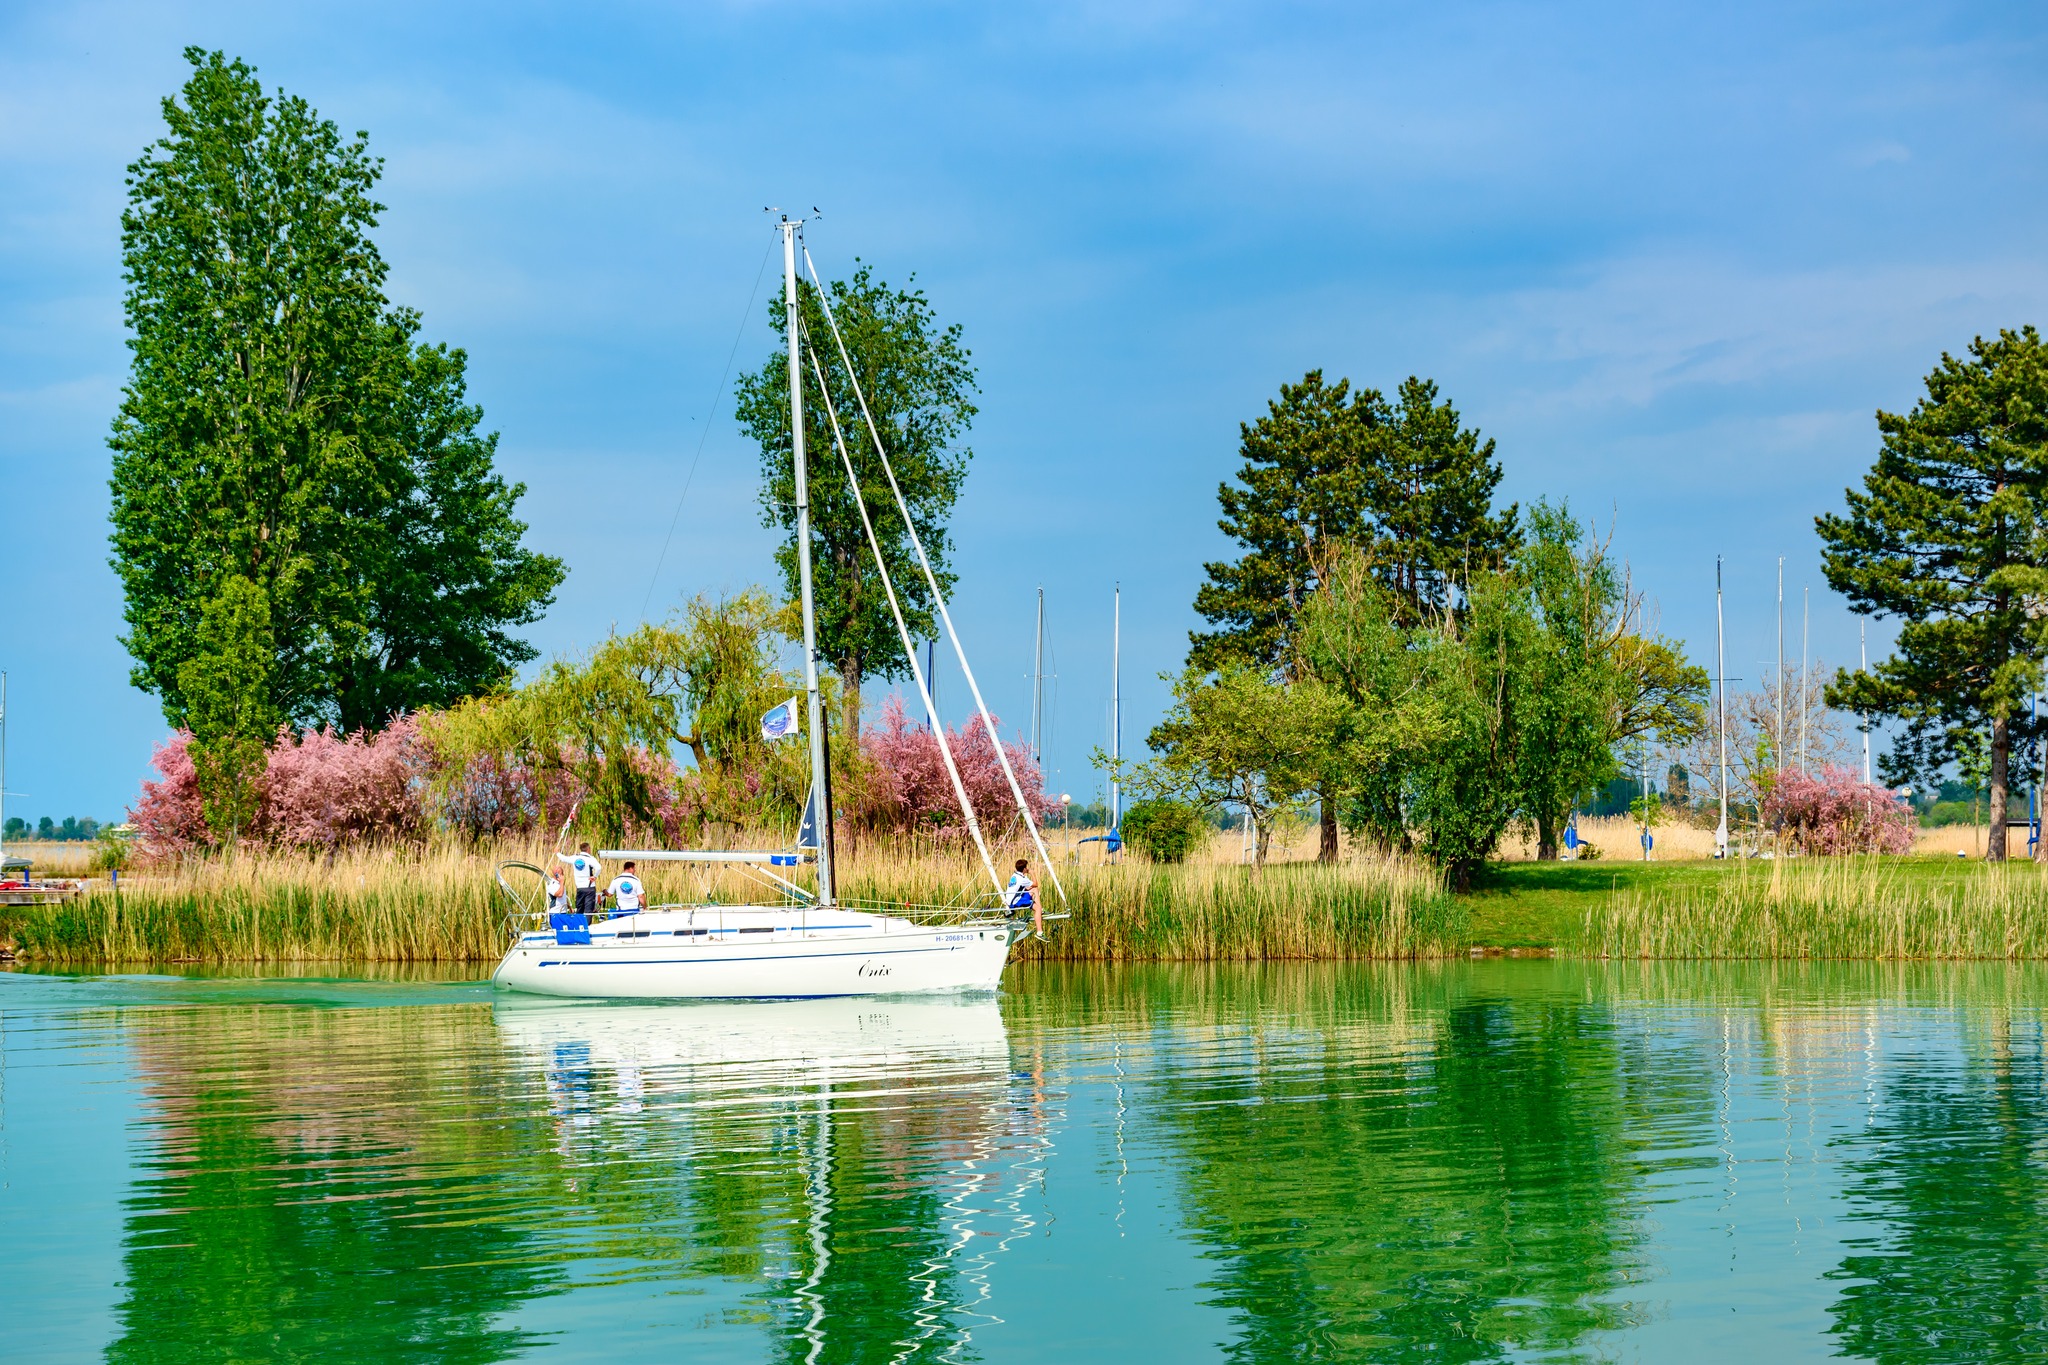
(782, 722)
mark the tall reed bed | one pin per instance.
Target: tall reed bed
(370, 905)
(1831, 908)
(1136, 911)
(443, 904)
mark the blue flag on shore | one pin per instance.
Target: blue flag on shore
(782, 722)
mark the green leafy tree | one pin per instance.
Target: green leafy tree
(1946, 534)
(1465, 789)
(1240, 736)
(1348, 640)
(1165, 831)
(444, 568)
(281, 424)
(918, 377)
(1595, 683)
(699, 684)
(227, 689)
(1328, 468)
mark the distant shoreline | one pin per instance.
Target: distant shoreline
(442, 905)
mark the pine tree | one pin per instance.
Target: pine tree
(1300, 492)
(1947, 535)
(1429, 487)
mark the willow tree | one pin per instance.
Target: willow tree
(1947, 535)
(283, 425)
(918, 378)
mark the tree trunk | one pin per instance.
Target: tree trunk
(1262, 837)
(1546, 837)
(849, 687)
(1326, 852)
(2001, 757)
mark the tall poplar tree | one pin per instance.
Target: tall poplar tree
(282, 425)
(919, 380)
(1947, 535)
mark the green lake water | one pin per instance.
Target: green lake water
(1438, 1162)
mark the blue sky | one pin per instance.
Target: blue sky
(1671, 258)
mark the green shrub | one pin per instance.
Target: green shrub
(1164, 831)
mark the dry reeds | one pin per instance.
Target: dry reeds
(369, 905)
(1205, 912)
(442, 904)
(1830, 908)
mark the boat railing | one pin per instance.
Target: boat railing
(523, 887)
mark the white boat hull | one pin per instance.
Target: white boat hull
(757, 954)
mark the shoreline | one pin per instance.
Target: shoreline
(440, 906)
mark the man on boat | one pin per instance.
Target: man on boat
(1022, 893)
(583, 870)
(629, 897)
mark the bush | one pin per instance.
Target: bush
(1944, 813)
(112, 850)
(1164, 831)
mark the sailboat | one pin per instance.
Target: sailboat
(807, 943)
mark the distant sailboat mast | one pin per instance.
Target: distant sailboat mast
(1038, 692)
(1116, 710)
(1721, 705)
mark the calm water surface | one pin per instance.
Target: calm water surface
(1447, 1162)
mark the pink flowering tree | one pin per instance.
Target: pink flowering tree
(324, 789)
(906, 788)
(319, 790)
(169, 819)
(1833, 811)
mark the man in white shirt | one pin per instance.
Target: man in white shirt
(583, 870)
(629, 897)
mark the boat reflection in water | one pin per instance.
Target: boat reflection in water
(860, 1165)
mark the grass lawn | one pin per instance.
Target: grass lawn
(1541, 905)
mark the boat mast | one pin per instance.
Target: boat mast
(1721, 692)
(1038, 692)
(815, 704)
(1116, 709)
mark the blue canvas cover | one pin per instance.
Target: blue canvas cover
(570, 928)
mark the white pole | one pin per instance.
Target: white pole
(1778, 739)
(1863, 648)
(815, 704)
(1038, 692)
(1116, 707)
(1805, 632)
(1721, 669)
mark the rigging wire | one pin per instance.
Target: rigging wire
(924, 690)
(705, 434)
(932, 582)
